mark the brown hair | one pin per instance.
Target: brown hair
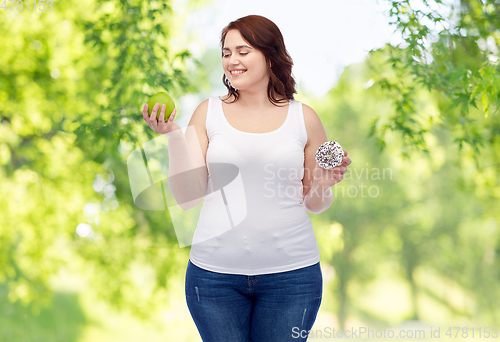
(262, 34)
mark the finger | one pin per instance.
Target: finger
(171, 118)
(162, 113)
(154, 111)
(154, 120)
(339, 169)
(345, 153)
(335, 171)
(145, 114)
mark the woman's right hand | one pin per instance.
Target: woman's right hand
(160, 126)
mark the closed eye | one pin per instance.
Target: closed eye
(241, 53)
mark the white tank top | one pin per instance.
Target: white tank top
(261, 225)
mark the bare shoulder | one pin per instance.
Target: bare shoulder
(200, 113)
(203, 107)
(314, 127)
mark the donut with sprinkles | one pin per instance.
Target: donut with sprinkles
(329, 155)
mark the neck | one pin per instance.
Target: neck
(256, 100)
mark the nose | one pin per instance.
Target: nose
(233, 61)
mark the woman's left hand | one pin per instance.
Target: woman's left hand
(332, 176)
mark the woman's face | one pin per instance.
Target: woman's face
(248, 59)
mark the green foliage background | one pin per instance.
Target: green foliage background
(411, 235)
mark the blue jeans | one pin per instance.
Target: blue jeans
(274, 307)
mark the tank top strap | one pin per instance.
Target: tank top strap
(299, 125)
(214, 116)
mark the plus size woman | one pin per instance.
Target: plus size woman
(259, 279)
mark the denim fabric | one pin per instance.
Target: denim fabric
(261, 308)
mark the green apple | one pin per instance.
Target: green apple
(161, 98)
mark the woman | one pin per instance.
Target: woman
(260, 279)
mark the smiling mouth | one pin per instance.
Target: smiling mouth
(237, 73)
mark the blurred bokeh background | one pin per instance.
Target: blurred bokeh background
(409, 88)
